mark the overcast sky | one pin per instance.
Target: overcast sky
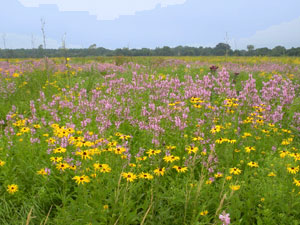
(150, 23)
(104, 9)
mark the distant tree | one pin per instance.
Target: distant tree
(221, 49)
(278, 51)
(262, 51)
(126, 52)
(166, 51)
(250, 48)
(145, 52)
(93, 46)
(178, 50)
(237, 53)
(188, 51)
(119, 52)
(293, 52)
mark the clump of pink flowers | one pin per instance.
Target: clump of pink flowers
(225, 218)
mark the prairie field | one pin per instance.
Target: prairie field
(150, 140)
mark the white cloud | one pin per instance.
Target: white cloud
(14, 41)
(286, 34)
(104, 9)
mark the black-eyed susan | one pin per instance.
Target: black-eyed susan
(204, 213)
(180, 169)
(151, 152)
(215, 129)
(125, 137)
(25, 129)
(171, 158)
(73, 139)
(88, 143)
(56, 159)
(198, 106)
(112, 144)
(146, 176)
(119, 150)
(235, 187)
(297, 182)
(293, 170)
(231, 141)
(218, 175)
(51, 141)
(159, 171)
(170, 147)
(271, 174)
(253, 164)
(59, 150)
(81, 179)
(98, 166)
(142, 158)
(220, 140)
(84, 154)
(248, 149)
(12, 188)
(228, 177)
(235, 171)
(284, 153)
(197, 139)
(72, 167)
(129, 176)
(285, 142)
(79, 144)
(191, 149)
(62, 166)
(2, 163)
(246, 134)
(42, 172)
(208, 181)
(260, 121)
(105, 170)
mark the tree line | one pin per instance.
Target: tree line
(221, 49)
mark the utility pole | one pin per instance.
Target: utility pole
(63, 46)
(32, 41)
(44, 49)
(43, 31)
(63, 41)
(4, 45)
(226, 41)
(4, 40)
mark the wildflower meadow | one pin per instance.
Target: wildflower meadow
(150, 140)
